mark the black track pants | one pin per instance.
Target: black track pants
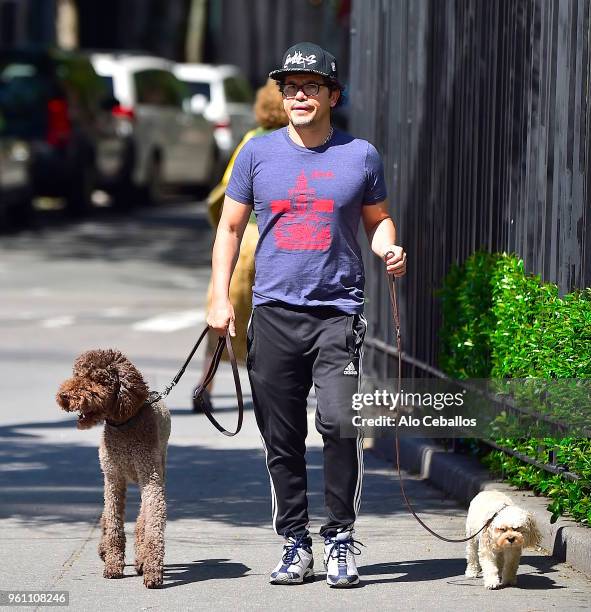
(289, 349)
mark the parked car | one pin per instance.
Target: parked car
(169, 143)
(55, 101)
(16, 207)
(225, 98)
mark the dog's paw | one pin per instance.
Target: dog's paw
(153, 579)
(472, 572)
(509, 582)
(113, 571)
(492, 584)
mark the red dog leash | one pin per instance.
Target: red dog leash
(396, 317)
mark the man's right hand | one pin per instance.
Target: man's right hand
(221, 317)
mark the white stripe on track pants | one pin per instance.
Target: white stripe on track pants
(289, 349)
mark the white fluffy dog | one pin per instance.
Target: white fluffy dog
(497, 549)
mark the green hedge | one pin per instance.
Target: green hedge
(500, 322)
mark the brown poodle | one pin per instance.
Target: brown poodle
(107, 387)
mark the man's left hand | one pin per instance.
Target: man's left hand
(395, 259)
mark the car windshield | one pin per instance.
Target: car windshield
(198, 87)
(238, 90)
(23, 92)
(108, 82)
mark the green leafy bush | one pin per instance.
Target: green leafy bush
(466, 299)
(500, 322)
(573, 454)
(537, 333)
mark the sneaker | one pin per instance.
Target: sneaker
(297, 563)
(339, 559)
(204, 399)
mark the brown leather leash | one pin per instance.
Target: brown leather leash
(396, 317)
(213, 366)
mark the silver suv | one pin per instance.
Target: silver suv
(224, 96)
(169, 143)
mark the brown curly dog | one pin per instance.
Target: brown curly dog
(107, 387)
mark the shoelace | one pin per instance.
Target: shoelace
(342, 547)
(291, 553)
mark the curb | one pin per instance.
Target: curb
(463, 477)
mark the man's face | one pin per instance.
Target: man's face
(305, 109)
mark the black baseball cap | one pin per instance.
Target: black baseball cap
(308, 57)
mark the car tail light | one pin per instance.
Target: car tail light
(123, 112)
(59, 127)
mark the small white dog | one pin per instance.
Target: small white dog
(497, 549)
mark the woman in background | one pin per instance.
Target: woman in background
(269, 116)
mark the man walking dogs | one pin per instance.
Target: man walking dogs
(309, 185)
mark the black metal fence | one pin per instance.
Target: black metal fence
(261, 30)
(480, 109)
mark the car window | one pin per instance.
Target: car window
(198, 87)
(24, 91)
(159, 88)
(108, 83)
(81, 84)
(237, 89)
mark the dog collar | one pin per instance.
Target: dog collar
(492, 518)
(129, 423)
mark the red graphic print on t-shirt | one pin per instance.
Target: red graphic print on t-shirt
(305, 220)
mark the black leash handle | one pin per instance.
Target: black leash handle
(396, 318)
(213, 366)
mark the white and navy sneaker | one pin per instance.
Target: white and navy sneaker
(339, 559)
(297, 562)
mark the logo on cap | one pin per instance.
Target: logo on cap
(299, 59)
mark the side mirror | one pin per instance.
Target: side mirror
(198, 104)
(108, 104)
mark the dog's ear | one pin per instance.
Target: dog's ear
(132, 389)
(531, 534)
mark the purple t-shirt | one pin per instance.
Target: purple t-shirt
(308, 206)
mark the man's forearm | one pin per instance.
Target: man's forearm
(383, 236)
(223, 260)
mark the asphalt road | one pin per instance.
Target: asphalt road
(138, 284)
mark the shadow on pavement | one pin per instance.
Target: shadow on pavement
(46, 482)
(179, 235)
(436, 569)
(203, 569)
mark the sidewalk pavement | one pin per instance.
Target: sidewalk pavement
(219, 543)
(463, 477)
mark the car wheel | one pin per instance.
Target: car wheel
(153, 187)
(22, 215)
(125, 197)
(4, 218)
(217, 168)
(79, 196)
(124, 194)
